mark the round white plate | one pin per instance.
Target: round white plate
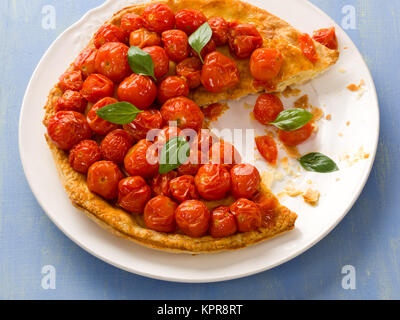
(338, 190)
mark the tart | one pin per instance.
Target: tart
(201, 52)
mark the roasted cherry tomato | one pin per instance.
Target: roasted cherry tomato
(223, 223)
(225, 154)
(159, 214)
(193, 218)
(193, 164)
(103, 178)
(220, 30)
(308, 48)
(142, 160)
(268, 204)
(213, 181)
(266, 145)
(97, 87)
(71, 101)
(116, 145)
(144, 38)
(159, 17)
(245, 181)
(138, 90)
(183, 188)
(160, 183)
(71, 80)
(133, 194)
(243, 39)
(176, 44)
(97, 124)
(85, 62)
(294, 138)
(172, 87)
(327, 37)
(160, 60)
(112, 61)
(247, 214)
(205, 140)
(267, 108)
(108, 33)
(67, 128)
(210, 47)
(184, 111)
(190, 69)
(131, 22)
(189, 20)
(219, 73)
(144, 122)
(265, 64)
(166, 134)
(83, 155)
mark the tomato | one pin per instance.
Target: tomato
(108, 33)
(225, 154)
(159, 214)
(245, 181)
(103, 178)
(308, 48)
(205, 140)
(183, 188)
(243, 39)
(247, 214)
(190, 69)
(97, 124)
(83, 155)
(265, 64)
(131, 22)
(327, 37)
(116, 145)
(97, 87)
(112, 61)
(142, 160)
(172, 87)
(210, 47)
(71, 80)
(67, 128)
(160, 60)
(138, 90)
(266, 145)
(213, 181)
(85, 62)
(144, 122)
(268, 204)
(166, 134)
(189, 20)
(193, 218)
(71, 101)
(219, 73)
(133, 194)
(267, 108)
(223, 223)
(184, 111)
(220, 30)
(294, 138)
(160, 183)
(144, 38)
(176, 44)
(159, 17)
(193, 164)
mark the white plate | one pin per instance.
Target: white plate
(313, 224)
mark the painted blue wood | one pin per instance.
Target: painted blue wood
(368, 238)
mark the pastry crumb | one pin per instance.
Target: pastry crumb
(311, 197)
(289, 92)
(328, 117)
(292, 192)
(302, 102)
(248, 106)
(342, 70)
(340, 134)
(354, 88)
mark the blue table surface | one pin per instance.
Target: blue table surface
(368, 238)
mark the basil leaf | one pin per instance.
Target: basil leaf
(317, 162)
(119, 113)
(200, 38)
(141, 62)
(174, 153)
(292, 119)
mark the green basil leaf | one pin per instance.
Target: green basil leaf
(119, 113)
(141, 62)
(317, 162)
(292, 119)
(200, 38)
(174, 153)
